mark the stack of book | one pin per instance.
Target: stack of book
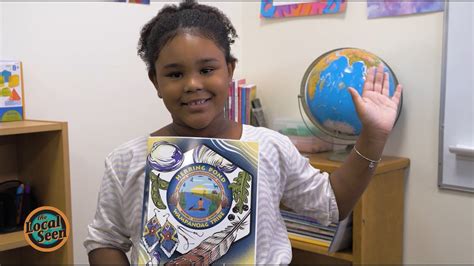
(238, 106)
(304, 227)
(335, 236)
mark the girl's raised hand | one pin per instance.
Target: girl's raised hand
(376, 109)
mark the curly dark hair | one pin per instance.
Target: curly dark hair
(189, 16)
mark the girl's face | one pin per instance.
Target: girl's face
(192, 77)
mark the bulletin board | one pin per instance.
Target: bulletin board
(456, 146)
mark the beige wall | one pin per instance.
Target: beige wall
(438, 224)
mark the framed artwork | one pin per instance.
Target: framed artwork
(145, 2)
(278, 9)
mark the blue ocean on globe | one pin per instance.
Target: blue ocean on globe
(332, 105)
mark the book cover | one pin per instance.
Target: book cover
(199, 203)
(250, 95)
(11, 91)
(311, 240)
(237, 84)
(239, 104)
(243, 96)
(229, 103)
(343, 237)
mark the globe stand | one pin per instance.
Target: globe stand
(341, 148)
(340, 155)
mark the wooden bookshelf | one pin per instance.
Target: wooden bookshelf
(12, 240)
(37, 153)
(377, 236)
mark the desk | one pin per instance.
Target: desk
(377, 219)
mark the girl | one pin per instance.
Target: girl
(187, 52)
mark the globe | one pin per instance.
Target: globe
(325, 96)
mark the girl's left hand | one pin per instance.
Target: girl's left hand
(376, 109)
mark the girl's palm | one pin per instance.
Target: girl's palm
(377, 111)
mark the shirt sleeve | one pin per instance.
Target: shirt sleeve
(108, 229)
(308, 190)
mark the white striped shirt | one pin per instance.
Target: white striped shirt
(283, 176)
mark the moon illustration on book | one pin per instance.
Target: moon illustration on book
(165, 156)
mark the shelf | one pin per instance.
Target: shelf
(308, 246)
(27, 126)
(12, 240)
(37, 153)
(377, 233)
(387, 164)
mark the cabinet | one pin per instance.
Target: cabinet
(377, 219)
(37, 153)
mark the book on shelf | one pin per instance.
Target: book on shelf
(199, 202)
(249, 93)
(258, 116)
(301, 219)
(343, 237)
(307, 228)
(238, 106)
(311, 240)
(335, 236)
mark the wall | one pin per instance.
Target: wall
(1, 30)
(438, 224)
(80, 66)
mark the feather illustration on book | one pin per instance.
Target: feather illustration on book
(199, 202)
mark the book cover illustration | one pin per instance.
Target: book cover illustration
(200, 202)
(11, 92)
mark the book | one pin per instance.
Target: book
(239, 104)
(249, 93)
(258, 117)
(291, 216)
(252, 95)
(335, 236)
(308, 228)
(228, 105)
(236, 110)
(199, 203)
(243, 104)
(11, 91)
(343, 237)
(311, 240)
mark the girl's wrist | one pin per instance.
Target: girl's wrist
(371, 144)
(373, 137)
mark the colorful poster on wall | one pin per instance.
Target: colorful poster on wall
(378, 8)
(11, 91)
(200, 202)
(145, 2)
(280, 9)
